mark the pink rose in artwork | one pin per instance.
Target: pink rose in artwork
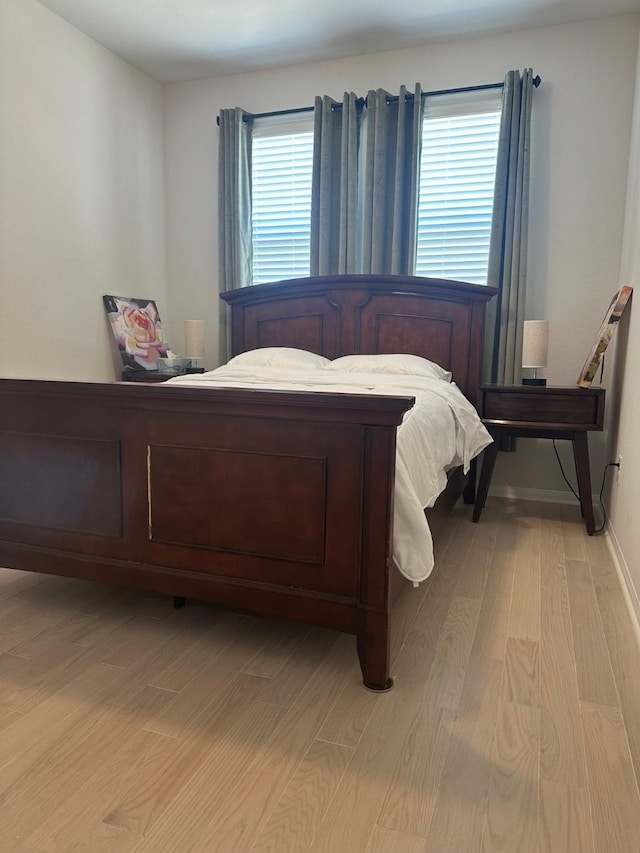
(142, 337)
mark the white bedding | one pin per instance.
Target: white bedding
(442, 430)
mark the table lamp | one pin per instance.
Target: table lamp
(535, 347)
(194, 343)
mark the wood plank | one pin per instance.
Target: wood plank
(446, 678)
(551, 546)
(50, 732)
(522, 685)
(613, 790)
(46, 790)
(287, 685)
(595, 675)
(359, 798)
(623, 651)
(561, 744)
(493, 620)
(32, 679)
(443, 581)
(212, 678)
(8, 718)
(476, 566)
(244, 802)
(348, 718)
(199, 656)
(459, 812)
(177, 791)
(295, 821)
(35, 733)
(61, 628)
(80, 816)
(524, 617)
(14, 582)
(272, 657)
(144, 636)
(387, 841)
(413, 790)
(404, 611)
(573, 532)
(564, 822)
(512, 805)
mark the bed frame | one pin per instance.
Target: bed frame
(275, 503)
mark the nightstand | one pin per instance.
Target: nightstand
(156, 375)
(147, 375)
(528, 411)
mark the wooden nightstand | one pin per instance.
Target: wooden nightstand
(548, 411)
(155, 375)
(147, 375)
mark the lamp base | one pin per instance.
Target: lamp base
(529, 380)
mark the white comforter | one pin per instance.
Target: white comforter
(442, 430)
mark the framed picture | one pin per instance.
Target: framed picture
(137, 329)
(611, 319)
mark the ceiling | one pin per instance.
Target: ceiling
(173, 40)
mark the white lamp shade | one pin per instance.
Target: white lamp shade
(194, 338)
(535, 343)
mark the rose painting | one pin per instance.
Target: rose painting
(137, 329)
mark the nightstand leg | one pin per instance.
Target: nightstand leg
(581, 457)
(488, 464)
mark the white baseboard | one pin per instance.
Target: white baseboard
(626, 582)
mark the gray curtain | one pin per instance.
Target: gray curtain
(234, 212)
(390, 162)
(508, 249)
(365, 183)
(334, 185)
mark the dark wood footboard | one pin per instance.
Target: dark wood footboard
(280, 504)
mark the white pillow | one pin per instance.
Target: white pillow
(392, 363)
(286, 357)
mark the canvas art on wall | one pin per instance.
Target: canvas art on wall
(138, 331)
(611, 319)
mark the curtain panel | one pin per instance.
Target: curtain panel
(365, 183)
(390, 163)
(508, 248)
(234, 211)
(334, 185)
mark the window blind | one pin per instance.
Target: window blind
(457, 176)
(282, 162)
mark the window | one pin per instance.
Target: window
(457, 174)
(282, 162)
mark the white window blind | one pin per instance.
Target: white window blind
(282, 161)
(457, 176)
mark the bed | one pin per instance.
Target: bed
(278, 503)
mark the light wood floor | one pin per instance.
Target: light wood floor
(514, 724)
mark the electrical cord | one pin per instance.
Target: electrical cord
(575, 494)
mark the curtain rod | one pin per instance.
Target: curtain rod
(536, 82)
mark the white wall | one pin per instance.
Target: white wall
(580, 147)
(625, 493)
(81, 194)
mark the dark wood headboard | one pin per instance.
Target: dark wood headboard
(345, 314)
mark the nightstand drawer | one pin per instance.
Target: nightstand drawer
(560, 407)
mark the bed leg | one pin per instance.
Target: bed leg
(373, 650)
(179, 601)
